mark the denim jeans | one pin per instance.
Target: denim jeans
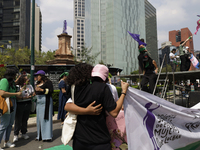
(6, 123)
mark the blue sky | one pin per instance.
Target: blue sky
(171, 15)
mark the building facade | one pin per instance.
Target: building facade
(79, 27)
(15, 22)
(151, 30)
(176, 36)
(38, 28)
(102, 25)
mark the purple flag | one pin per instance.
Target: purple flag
(137, 38)
(198, 15)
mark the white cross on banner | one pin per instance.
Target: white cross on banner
(153, 123)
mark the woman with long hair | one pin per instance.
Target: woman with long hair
(44, 107)
(8, 89)
(91, 131)
(62, 96)
(23, 107)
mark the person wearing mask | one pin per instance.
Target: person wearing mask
(62, 96)
(149, 69)
(8, 89)
(44, 107)
(91, 131)
(23, 107)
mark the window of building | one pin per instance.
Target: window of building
(82, 20)
(82, 31)
(78, 39)
(78, 31)
(78, 35)
(78, 20)
(78, 28)
(78, 24)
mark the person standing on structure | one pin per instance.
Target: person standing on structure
(149, 69)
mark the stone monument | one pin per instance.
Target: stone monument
(63, 54)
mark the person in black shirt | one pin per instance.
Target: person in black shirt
(44, 107)
(149, 69)
(91, 132)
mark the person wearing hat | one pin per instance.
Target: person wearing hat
(44, 107)
(90, 89)
(149, 68)
(172, 58)
(62, 96)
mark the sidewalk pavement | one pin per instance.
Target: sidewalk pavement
(32, 121)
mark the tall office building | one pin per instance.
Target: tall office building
(151, 30)
(102, 25)
(79, 27)
(38, 28)
(15, 22)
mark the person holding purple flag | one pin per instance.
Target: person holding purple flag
(148, 67)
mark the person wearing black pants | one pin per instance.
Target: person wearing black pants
(149, 68)
(23, 107)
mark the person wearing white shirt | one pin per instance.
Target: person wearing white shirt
(173, 57)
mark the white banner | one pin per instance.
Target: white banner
(153, 123)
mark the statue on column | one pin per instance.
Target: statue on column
(65, 27)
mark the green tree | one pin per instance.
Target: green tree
(86, 57)
(22, 56)
(135, 72)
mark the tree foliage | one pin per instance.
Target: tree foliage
(23, 56)
(86, 57)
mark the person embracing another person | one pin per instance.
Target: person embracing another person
(91, 131)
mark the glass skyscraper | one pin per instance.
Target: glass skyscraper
(106, 23)
(151, 30)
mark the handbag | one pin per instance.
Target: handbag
(69, 124)
(6, 105)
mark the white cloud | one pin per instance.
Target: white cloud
(52, 41)
(56, 10)
(44, 49)
(163, 36)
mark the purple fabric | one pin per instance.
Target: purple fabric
(137, 38)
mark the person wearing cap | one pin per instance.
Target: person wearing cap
(90, 88)
(149, 68)
(172, 58)
(44, 107)
(62, 96)
(184, 66)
